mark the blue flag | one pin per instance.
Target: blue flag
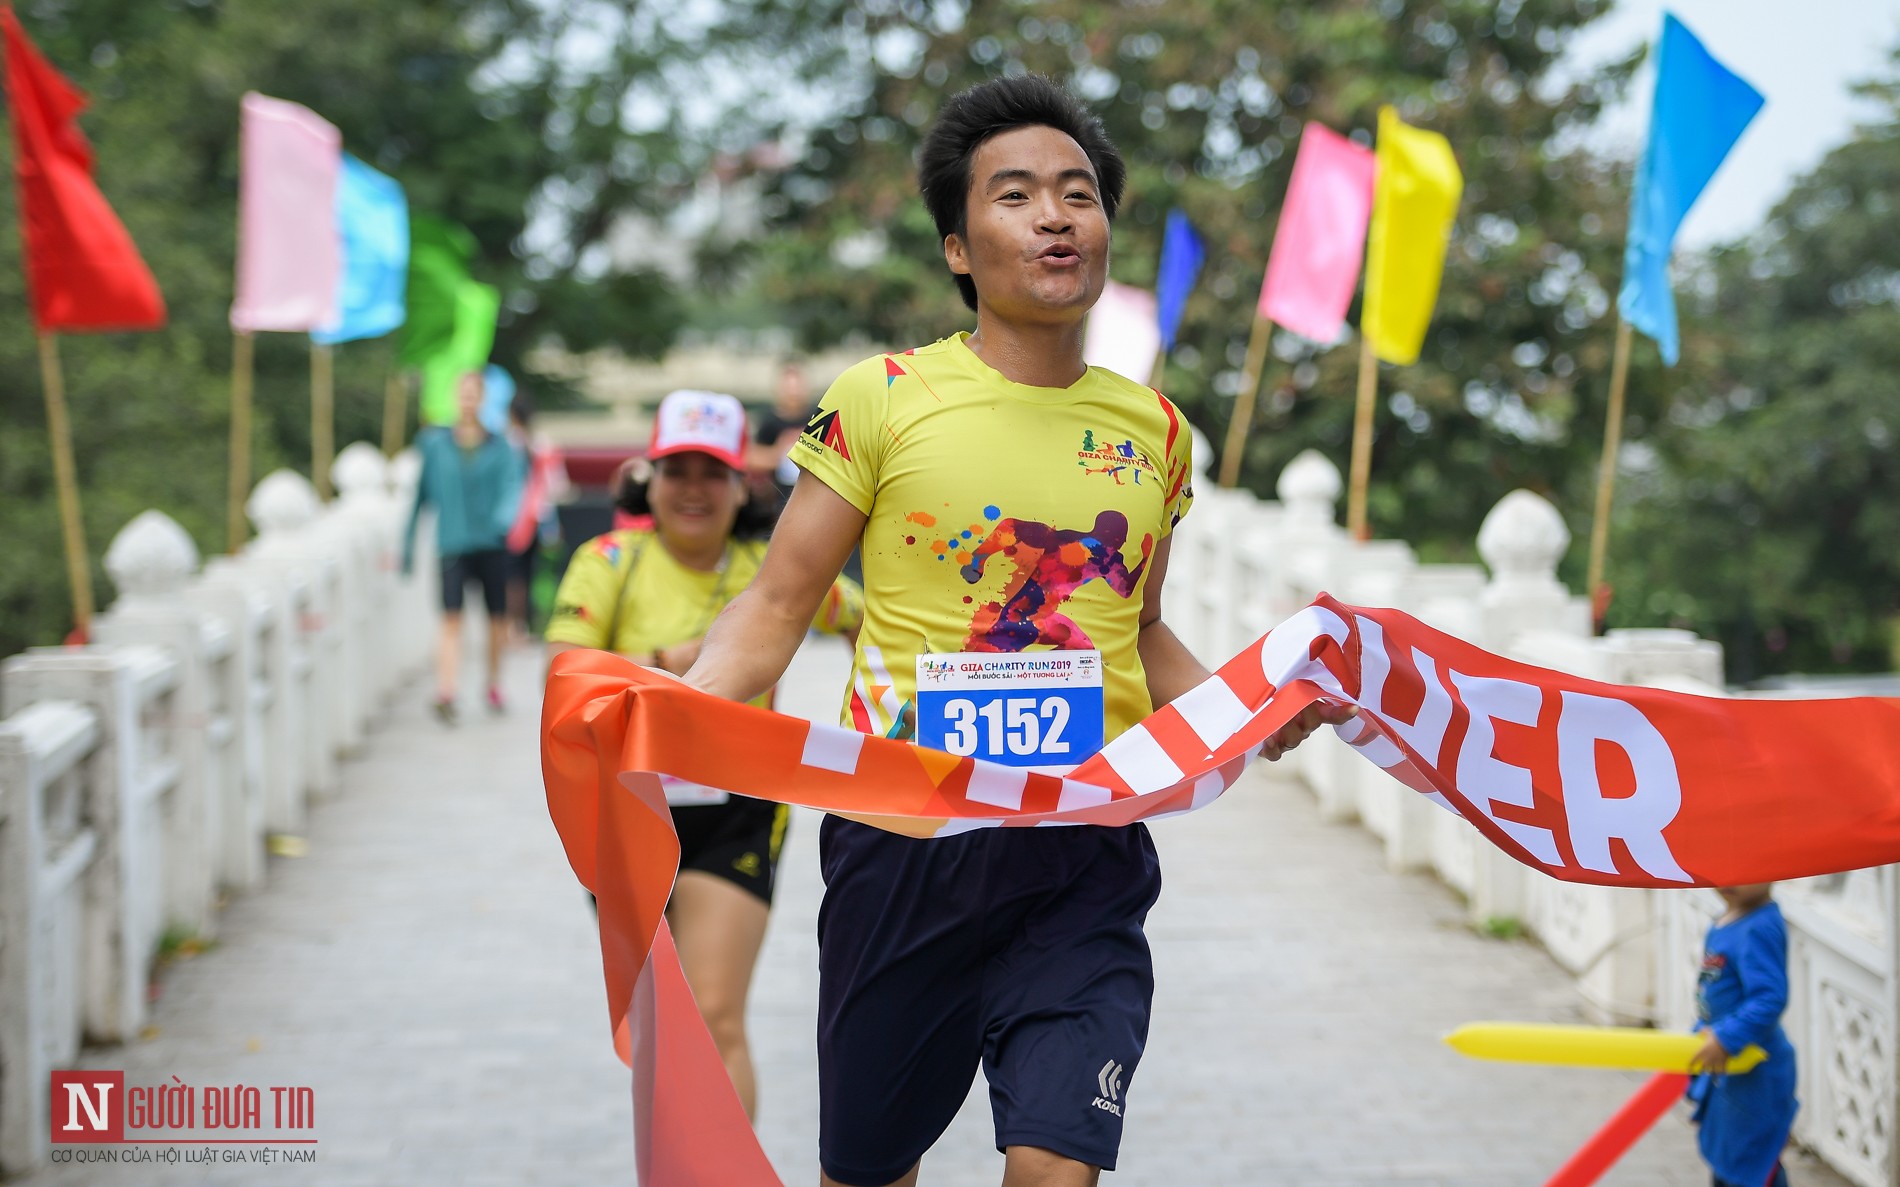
(372, 217)
(498, 393)
(1181, 257)
(1700, 110)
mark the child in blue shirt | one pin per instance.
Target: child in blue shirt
(1740, 995)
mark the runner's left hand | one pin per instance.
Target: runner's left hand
(1310, 718)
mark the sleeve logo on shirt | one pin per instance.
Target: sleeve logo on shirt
(827, 430)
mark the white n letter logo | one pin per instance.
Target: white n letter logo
(77, 1098)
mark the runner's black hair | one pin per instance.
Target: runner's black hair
(975, 115)
(755, 520)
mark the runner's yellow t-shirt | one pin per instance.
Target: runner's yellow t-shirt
(662, 603)
(1003, 517)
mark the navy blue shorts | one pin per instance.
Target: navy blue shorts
(1021, 948)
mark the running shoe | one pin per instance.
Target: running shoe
(495, 704)
(445, 710)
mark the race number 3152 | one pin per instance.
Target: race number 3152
(1024, 726)
(1024, 711)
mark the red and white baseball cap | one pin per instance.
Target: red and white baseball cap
(700, 422)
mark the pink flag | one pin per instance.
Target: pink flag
(289, 259)
(1321, 240)
(1122, 334)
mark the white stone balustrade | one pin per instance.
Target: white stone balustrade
(140, 775)
(1240, 565)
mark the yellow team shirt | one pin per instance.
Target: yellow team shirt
(1003, 517)
(662, 603)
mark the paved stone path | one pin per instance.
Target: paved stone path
(430, 969)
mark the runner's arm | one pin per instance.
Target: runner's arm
(753, 639)
(1171, 667)
(1173, 670)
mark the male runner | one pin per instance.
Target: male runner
(1021, 948)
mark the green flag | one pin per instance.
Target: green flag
(451, 323)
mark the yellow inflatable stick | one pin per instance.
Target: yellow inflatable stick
(1627, 1047)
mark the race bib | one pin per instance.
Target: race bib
(1021, 709)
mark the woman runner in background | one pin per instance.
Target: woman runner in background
(649, 594)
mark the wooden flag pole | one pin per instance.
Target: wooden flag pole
(1242, 422)
(322, 416)
(242, 343)
(66, 481)
(1361, 477)
(1161, 363)
(1606, 468)
(395, 412)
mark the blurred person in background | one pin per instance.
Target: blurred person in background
(1743, 1121)
(543, 484)
(649, 594)
(769, 461)
(473, 480)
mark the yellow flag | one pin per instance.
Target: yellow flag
(1413, 204)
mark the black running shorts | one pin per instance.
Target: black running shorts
(738, 840)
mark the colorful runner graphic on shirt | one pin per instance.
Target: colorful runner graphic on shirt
(1051, 564)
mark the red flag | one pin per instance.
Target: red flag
(83, 271)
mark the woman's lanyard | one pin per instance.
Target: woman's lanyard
(713, 603)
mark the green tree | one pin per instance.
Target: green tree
(1764, 505)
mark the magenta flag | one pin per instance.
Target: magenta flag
(289, 259)
(1321, 240)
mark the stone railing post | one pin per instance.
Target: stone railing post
(283, 507)
(124, 804)
(366, 513)
(46, 845)
(150, 561)
(1521, 541)
(261, 609)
